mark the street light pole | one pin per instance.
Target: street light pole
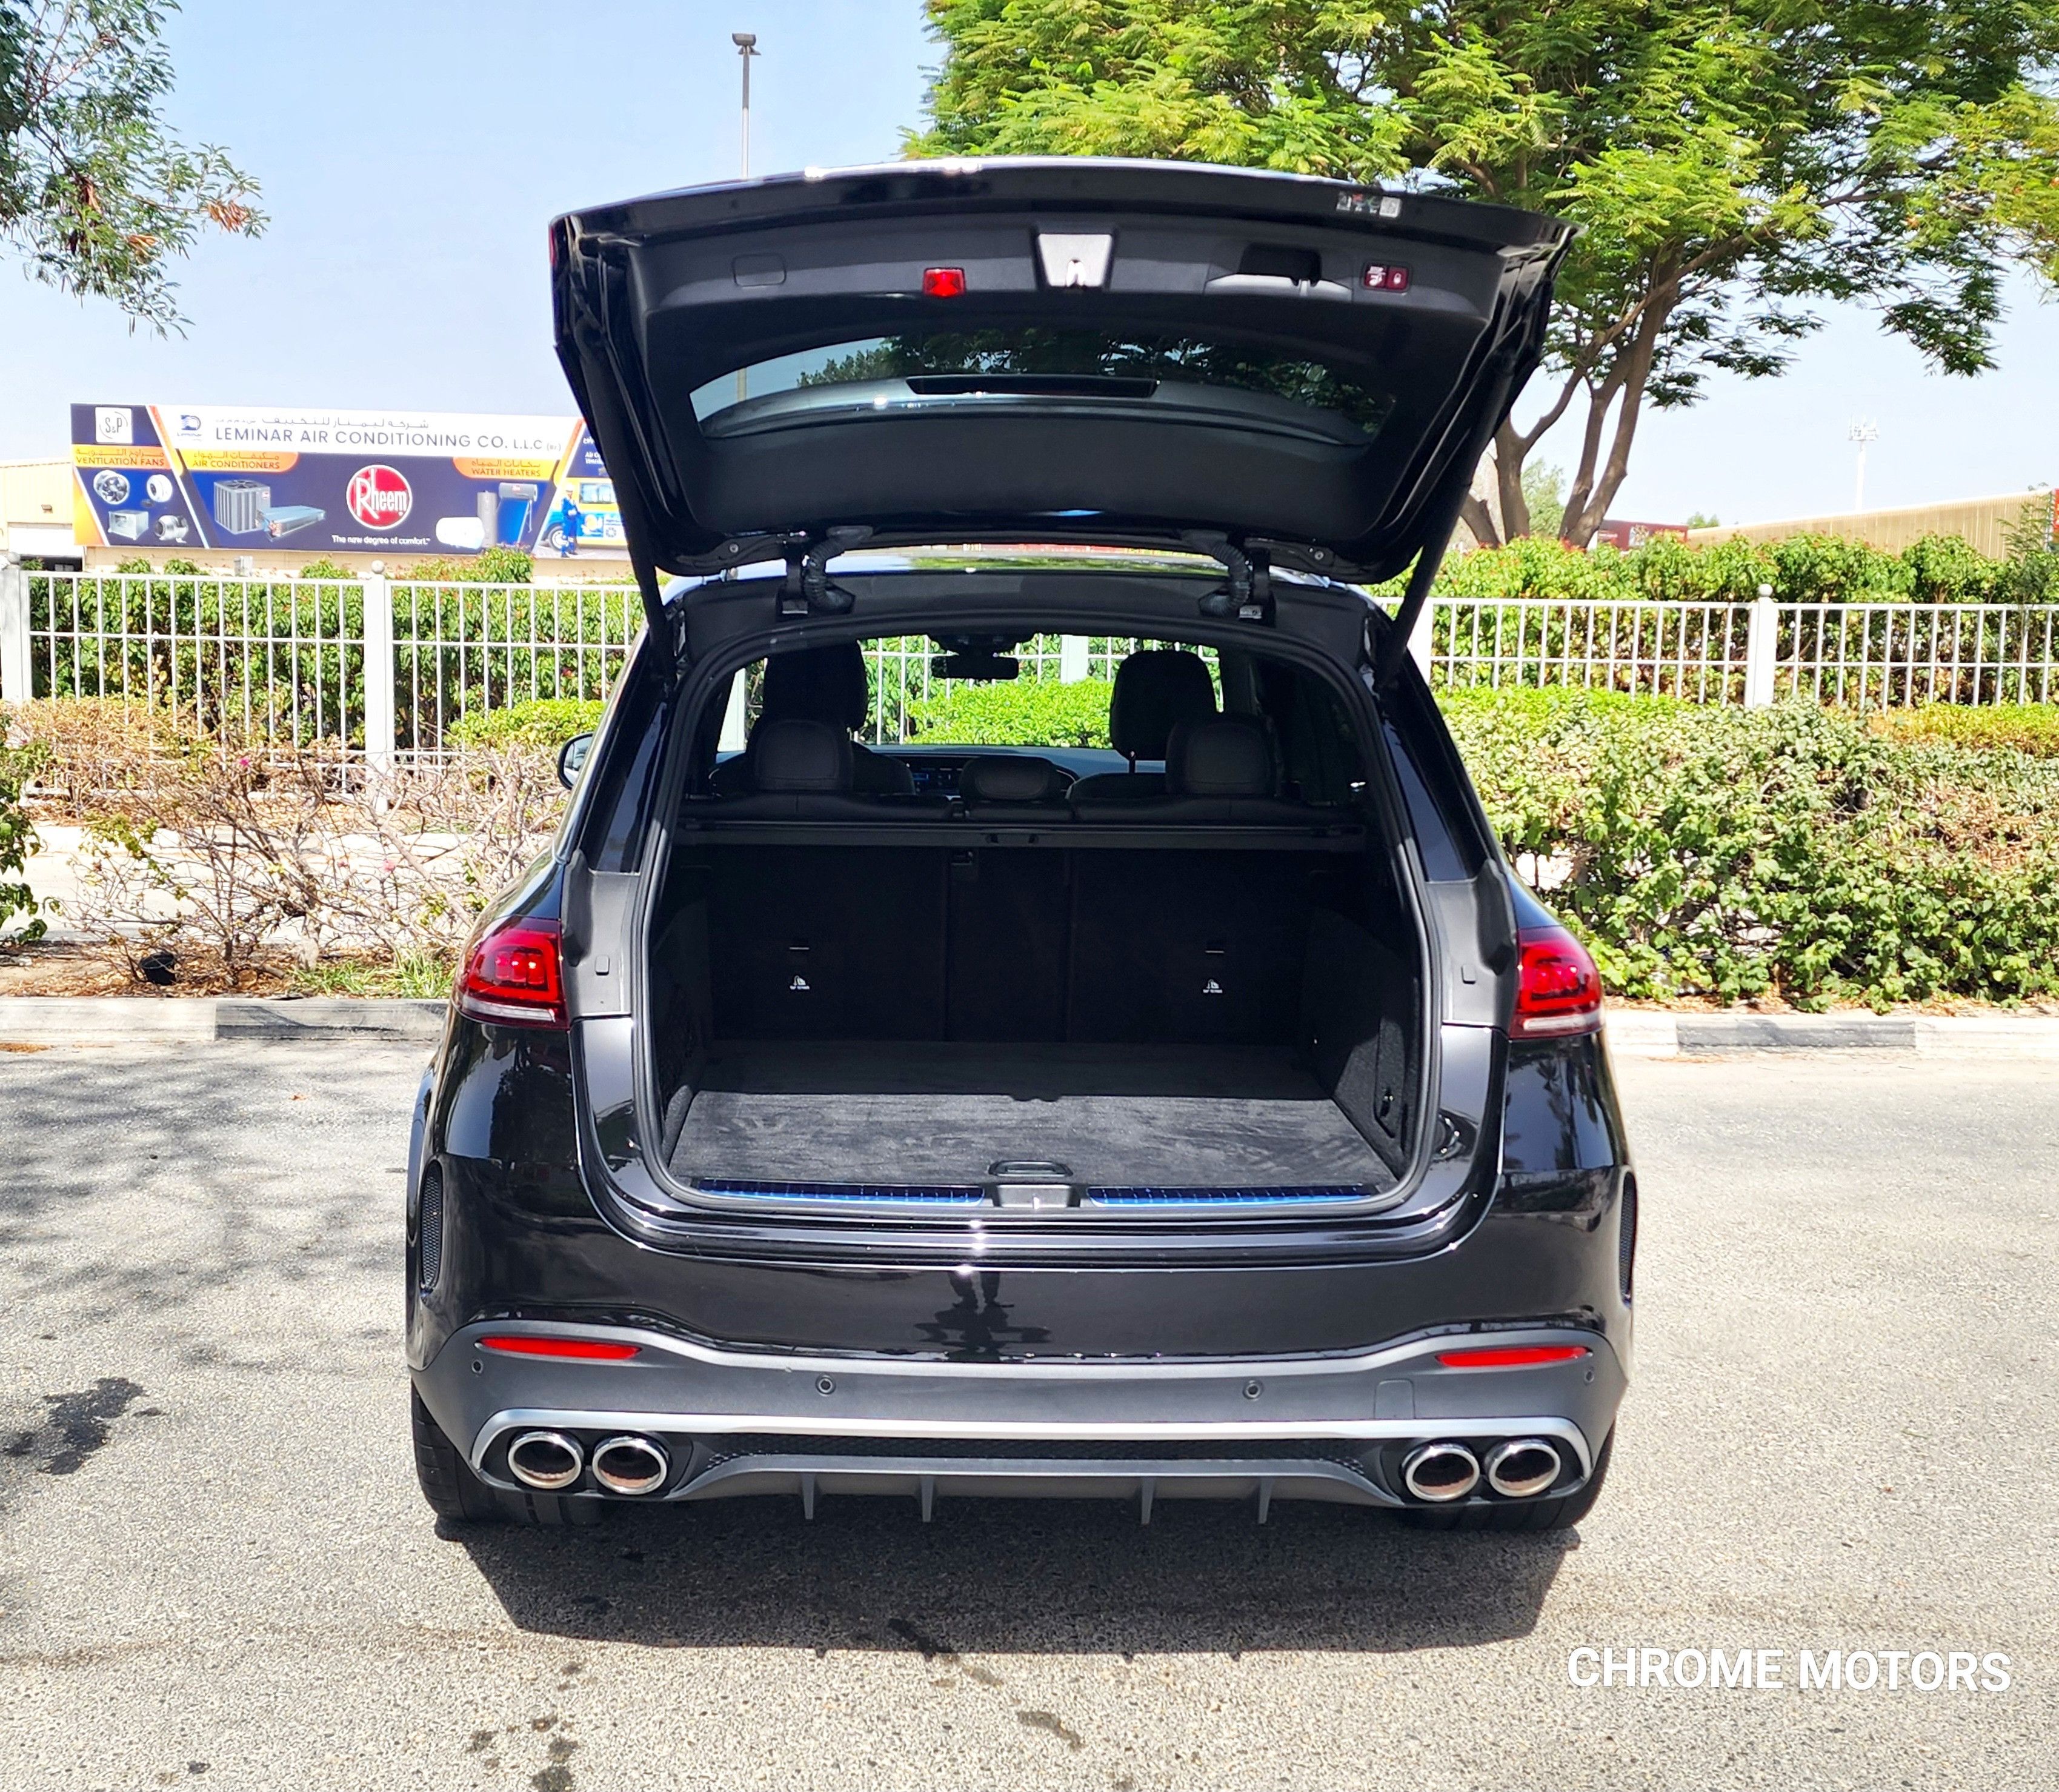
(1862, 432)
(746, 47)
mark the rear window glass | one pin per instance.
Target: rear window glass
(980, 366)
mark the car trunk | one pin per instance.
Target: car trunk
(1176, 1020)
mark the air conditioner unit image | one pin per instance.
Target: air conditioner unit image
(129, 525)
(239, 505)
(288, 518)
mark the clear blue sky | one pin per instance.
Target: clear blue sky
(411, 155)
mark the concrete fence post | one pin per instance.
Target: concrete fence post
(18, 671)
(1762, 644)
(1072, 659)
(379, 718)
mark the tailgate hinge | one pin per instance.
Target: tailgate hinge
(807, 589)
(1247, 594)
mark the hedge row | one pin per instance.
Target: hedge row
(1937, 569)
(1793, 851)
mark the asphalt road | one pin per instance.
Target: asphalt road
(215, 1568)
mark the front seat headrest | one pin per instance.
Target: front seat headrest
(999, 777)
(1228, 755)
(819, 684)
(796, 753)
(1154, 692)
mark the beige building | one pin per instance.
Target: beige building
(1984, 522)
(35, 509)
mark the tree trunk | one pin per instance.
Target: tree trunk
(1597, 482)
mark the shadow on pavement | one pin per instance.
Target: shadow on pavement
(1018, 1576)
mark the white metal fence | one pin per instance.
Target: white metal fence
(385, 668)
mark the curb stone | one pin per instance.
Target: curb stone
(1635, 1033)
(125, 1020)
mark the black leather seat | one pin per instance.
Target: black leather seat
(1005, 787)
(800, 769)
(821, 684)
(1155, 691)
(1219, 770)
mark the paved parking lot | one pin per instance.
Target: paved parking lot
(215, 1568)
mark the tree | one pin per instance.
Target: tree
(96, 194)
(1731, 165)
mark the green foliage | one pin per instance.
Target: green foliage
(544, 723)
(496, 566)
(1729, 164)
(1022, 712)
(2031, 728)
(1793, 851)
(96, 194)
(18, 838)
(1802, 568)
(407, 974)
(1544, 498)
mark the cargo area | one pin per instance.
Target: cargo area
(1139, 1019)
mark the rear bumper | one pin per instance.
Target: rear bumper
(734, 1422)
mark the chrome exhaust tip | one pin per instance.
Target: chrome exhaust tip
(1440, 1473)
(547, 1460)
(630, 1465)
(1523, 1468)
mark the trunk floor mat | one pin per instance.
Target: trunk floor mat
(1115, 1116)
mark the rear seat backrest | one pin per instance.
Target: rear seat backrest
(801, 770)
(1230, 755)
(1155, 691)
(1004, 788)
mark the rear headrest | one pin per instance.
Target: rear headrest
(1154, 692)
(998, 779)
(817, 684)
(793, 753)
(1227, 756)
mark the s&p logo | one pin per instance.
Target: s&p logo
(380, 497)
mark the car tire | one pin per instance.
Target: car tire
(1526, 1514)
(458, 1496)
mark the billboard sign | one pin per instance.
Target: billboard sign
(316, 482)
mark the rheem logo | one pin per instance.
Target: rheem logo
(379, 497)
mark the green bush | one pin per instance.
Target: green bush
(1022, 712)
(2018, 728)
(1792, 850)
(18, 838)
(1804, 568)
(544, 722)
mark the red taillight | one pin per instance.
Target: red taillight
(943, 283)
(513, 976)
(1511, 1356)
(1560, 992)
(589, 1350)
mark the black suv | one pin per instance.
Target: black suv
(1212, 1115)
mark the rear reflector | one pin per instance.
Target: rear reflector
(1511, 1356)
(943, 283)
(591, 1350)
(513, 977)
(1560, 992)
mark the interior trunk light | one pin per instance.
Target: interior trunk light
(943, 283)
(513, 977)
(1385, 276)
(1560, 991)
(1511, 1356)
(591, 1350)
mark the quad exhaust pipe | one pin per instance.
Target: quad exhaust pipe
(1523, 1468)
(547, 1460)
(631, 1465)
(1439, 1473)
(1517, 1468)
